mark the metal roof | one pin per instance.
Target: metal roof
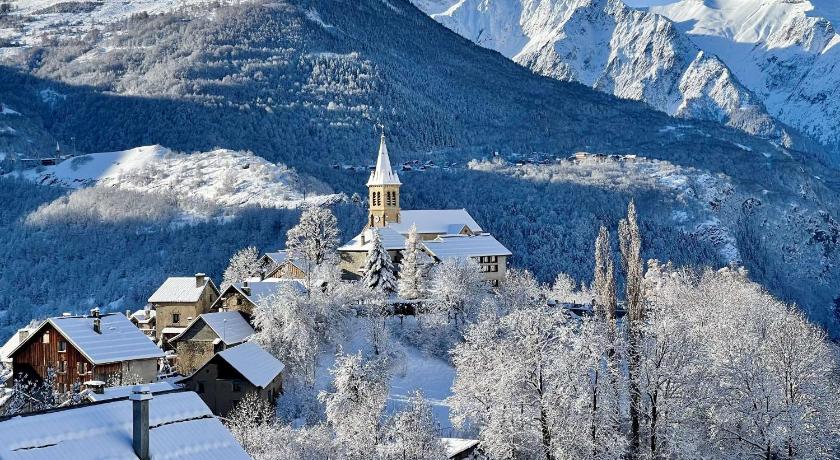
(229, 326)
(446, 247)
(442, 221)
(254, 363)
(180, 289)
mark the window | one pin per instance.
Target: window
(46, 337)
(200, 387)
(176, 318)
(81, 368)
(62, 367)
(237, 386)
(62, 346)
(494, 268)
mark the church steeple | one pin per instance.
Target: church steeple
(383, 190)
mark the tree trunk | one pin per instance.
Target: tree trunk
(654, 419)
(546, 434)
(635, 394)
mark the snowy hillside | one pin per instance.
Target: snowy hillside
(786, 52)
(613, 48)
(202, 184)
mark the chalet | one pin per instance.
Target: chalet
(145, 321)
(231, 374)
(206, 335)
(450, 232)
(462, 449)
(280, 264)
(12, 343)
(141, 426)
(244, 297)
(178, 301)
(97, 347)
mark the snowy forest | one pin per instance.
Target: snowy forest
(688, 364)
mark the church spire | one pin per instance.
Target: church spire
(383, 174)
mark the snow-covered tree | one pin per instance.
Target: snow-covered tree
(519, 290)
(355, 404)
(379, 268)
(630, 242)
(604, 279)
(251, 422)
(286, 328)
(412, 433)
(242, 265)
(529, 382)
(412, 276)
(457, 290)
(314, 240)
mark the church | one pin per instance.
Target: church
(445, 233)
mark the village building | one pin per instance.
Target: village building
(444, 232)
(207, 335)
(144, 425)
(11, 344)
(246, 296)
(231, 374)
(144, 319)
(178, 301)
(280, 264)
(106, 348)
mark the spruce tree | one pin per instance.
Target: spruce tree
(379, 269)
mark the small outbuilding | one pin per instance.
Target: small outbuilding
(231, 374)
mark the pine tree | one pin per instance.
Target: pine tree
(379, 269)
(604, 282)
(411, 272)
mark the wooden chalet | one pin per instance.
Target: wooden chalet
(107, 348)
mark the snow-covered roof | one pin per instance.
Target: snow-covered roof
(391, 240)
(118, 339)
(172, 330)
(182, 427)
(125, 391)
(261, 289)
(281, 257)
(230, 326)
(12, 344)
(143, 315)
(442, 221)
(462, 246)
(254, 363)
(455, 446)
(179, 289)
(383, 174)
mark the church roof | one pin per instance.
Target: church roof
(462, 246)
(442, 221)
(391, 240)
(383, 174)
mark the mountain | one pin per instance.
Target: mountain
(787, 52)
(613, 48)
(306, 82)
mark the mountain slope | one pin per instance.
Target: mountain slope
(787, 52)
(613, 48)
(305, 83)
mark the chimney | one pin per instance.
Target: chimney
(96, 386)
(140, 397)
(199, 279)
(128, 313)
(95, 312)
(262, 275)
(97, 325)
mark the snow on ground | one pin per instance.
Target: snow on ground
(204, 182)
(419, 371)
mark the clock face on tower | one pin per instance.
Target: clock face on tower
(376, 218)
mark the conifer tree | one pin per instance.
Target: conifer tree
(411, 272)
(379, 269)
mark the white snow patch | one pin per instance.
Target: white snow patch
(6, 110)
(313, 15)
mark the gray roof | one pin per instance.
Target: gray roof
(460, 247)
(179, 289)
(182, 427)
(280, 257)
(119, 339)
(442, 221)
(254, 363)
(230, 326)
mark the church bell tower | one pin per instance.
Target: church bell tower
(383, 191)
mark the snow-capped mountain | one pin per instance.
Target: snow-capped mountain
(611, 47)
(785, 51)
